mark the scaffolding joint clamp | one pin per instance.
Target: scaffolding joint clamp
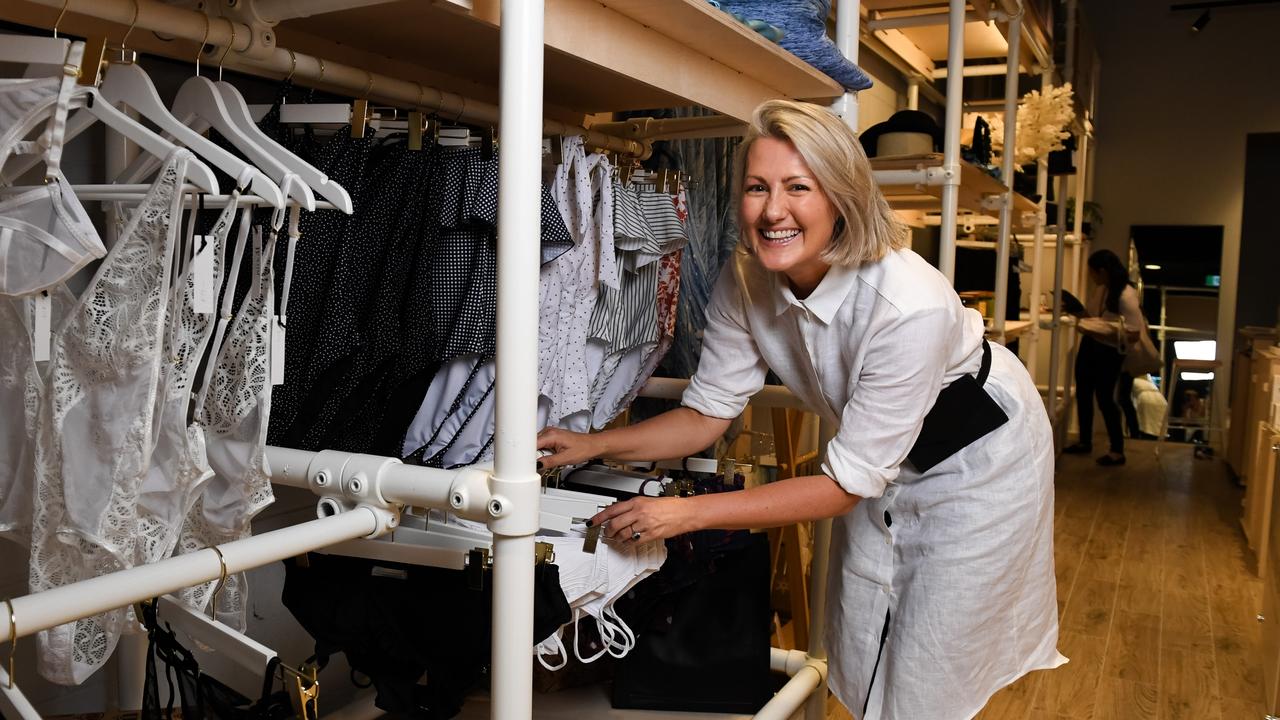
(346, 481)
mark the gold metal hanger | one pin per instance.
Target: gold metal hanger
(222, 581)
(227, 50)
(204, 41)
(61, 15)
(13, 639)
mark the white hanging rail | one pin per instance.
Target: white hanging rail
(43, 610)
(951, 142)
(192, 25)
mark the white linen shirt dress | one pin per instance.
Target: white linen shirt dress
(959, 559)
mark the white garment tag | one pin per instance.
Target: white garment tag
(202, 274)
(42, 338)
(277, 350)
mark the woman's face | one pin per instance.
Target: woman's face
(785, 208)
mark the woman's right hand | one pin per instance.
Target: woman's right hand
(568, 447)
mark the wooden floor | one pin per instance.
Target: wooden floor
(1157, 603)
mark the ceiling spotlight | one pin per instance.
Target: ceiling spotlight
(1151, 267)
(1201, 21)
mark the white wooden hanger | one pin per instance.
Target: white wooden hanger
(307, 173)
(199, 104)
(236, 660)
(62, 53)
(130, 85)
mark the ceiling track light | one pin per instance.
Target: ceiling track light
(1201, 21)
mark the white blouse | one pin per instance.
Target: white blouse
(959, 560)
(1129, 310)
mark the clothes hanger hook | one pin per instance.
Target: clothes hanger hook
(321, 78)
(61, 15)
(368, 88)
(203, 41)
(124, 41)
(421, 91)
(13, 639)
(293, 66)
(227, 50)
(461, 109)
(222, 581)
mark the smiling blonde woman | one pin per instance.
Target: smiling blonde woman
(940, 475)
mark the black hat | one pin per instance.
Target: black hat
(911, 121)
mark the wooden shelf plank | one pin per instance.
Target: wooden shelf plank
(602, 56)
(1012, 329)
(976, 187)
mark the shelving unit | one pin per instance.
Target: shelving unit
(599, 57)
(980, 193)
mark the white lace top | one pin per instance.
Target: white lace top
(93, 426)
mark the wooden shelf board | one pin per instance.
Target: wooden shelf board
(601, 56)
(975, 185)
(1012, 329)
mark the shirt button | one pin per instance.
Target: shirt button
(889, 493)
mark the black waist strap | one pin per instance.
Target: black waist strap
(985, 368)
(963, 413)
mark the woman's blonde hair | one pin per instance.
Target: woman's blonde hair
(866, 228)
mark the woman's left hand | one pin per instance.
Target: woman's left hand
(647, 518)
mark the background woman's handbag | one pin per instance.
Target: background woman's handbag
(1140, 355)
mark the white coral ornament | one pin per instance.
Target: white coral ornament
(1042, 124)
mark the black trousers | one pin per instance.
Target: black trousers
(1097, 369)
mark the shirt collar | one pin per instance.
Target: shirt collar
(825, 299)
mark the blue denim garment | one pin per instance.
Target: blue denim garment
(803, 23)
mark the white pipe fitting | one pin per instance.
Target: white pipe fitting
(787, 662)
(793, 695)
(469, 495)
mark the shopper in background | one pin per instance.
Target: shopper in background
(940, 475)
(1099, 361)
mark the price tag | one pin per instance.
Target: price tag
(205, 294)
(277, 349)
(42, 338)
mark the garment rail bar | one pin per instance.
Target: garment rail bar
(218, 33)
(43, 610)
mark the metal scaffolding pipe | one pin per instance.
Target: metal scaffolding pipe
(848, 31)
(951, 144)
(792, 695)
(50, 608)
(1006, 173)
(515, 479)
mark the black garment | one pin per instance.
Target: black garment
(344, 159)
(1097, 369)
(195, 695)
(1124, 395)
(702, 625)
(351, 317)
(356, 402)
(395, 622)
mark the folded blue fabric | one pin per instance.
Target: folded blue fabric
(804, 25)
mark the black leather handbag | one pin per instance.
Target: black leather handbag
(702, 628)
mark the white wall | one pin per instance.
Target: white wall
(1173, 112)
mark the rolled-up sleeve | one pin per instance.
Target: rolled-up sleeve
(901, 376)
(730, 369)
